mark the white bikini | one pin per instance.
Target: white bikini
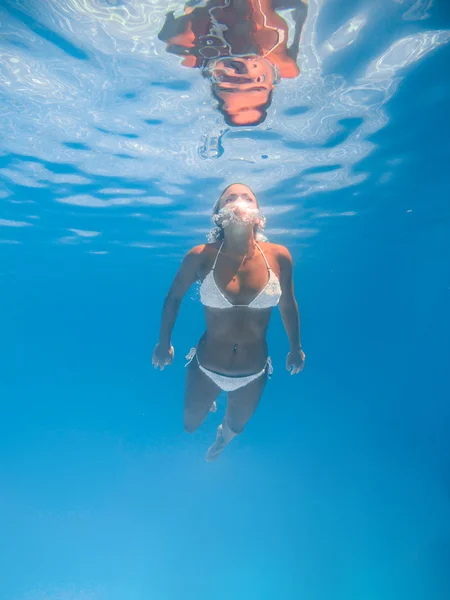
(212, 297)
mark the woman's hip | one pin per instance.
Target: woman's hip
(227, 382)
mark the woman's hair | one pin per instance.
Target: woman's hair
(217, 233)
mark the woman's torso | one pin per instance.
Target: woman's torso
(235, 338)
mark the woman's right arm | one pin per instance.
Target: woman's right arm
(187, 274)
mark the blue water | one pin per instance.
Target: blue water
(340, 486)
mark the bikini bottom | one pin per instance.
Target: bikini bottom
(225, 382)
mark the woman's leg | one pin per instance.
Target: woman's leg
(243, 402)
(200, 393)
(241, 405)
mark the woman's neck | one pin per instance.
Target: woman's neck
(239, 241)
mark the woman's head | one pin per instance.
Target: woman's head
(232, 194)
(237, 206)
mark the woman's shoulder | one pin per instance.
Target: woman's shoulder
(204, 248)
(278, 251)
(202, 252)
(200, 258)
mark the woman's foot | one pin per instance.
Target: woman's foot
(223, 438)
(217, 447)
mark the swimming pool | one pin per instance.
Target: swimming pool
(112, 157)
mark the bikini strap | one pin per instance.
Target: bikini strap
(257, 245)
(217, 256)
(190, 355)
(264, 256)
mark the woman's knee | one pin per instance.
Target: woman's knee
(191, 423)
(236, 426)
(190, 427)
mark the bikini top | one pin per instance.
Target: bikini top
(211, 296)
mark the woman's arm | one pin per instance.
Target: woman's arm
(295, 360)
(288, 304)
(186, 276)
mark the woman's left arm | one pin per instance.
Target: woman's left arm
(289, 312)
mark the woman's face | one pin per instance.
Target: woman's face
(238, 207)
(240, 198)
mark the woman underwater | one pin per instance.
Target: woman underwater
(243, 278)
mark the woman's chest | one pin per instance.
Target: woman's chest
(243, 284)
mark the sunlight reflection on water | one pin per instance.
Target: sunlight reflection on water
(92, 106)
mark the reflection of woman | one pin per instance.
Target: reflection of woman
(241, 45)
(242, 280)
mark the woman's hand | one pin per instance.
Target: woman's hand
(162, 356)
(295, 361)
